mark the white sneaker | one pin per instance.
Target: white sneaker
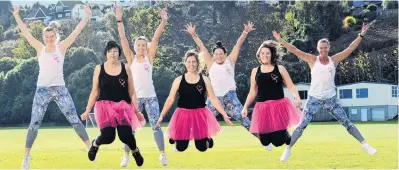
(366, 147)
(26, 161)
(163, 159)
(286, 155)
(269, 147)
(125, 160)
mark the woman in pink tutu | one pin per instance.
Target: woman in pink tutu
(192, 120)
(273, 113)
(116, 106)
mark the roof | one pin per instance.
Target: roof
(367, 82)
(36, 13)
(69, 5)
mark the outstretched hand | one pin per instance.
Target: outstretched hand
(190, 28)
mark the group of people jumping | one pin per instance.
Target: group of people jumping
(121, 91)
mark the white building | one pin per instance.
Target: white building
(362, 101)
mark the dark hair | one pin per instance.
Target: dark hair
(110, 45)
(219, 45)
(193, 53)
(272, 46)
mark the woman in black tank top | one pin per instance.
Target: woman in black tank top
(116, 105)
(192, 120)
(273, 113)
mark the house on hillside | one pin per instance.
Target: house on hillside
(362, 101)
(67, 10)
(38, 13)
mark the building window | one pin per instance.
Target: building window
(59, 8)
(303, 94)
(59, 15)
(345, 93)
(394, 91)
(68, 14)
(362, 93)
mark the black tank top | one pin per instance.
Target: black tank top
(113, 88)
(192, 96)
(270, 85)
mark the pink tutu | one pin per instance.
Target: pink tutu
(112, 114)
(274, 115)
(188, 124)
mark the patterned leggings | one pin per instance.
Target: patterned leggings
(61, 96)
(152, 109)
(233, 107)
(313, 105)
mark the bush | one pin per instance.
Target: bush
(349, 21)
(372, 7)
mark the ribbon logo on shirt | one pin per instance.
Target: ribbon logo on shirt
(147, 68)
(122, 82)
(274, 77)
(200, 88)
(330, 69)
(56, 58)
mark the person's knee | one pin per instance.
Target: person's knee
(107, 139)
(201, 145)
(127, 138)
(265, 139)
(181, 148)
(280, 138)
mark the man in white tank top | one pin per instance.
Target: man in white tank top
(221, 73)
(141, 66)
(322, 89)
(50, 83)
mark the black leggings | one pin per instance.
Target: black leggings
(125, 134)
(277, 138)
(200, 144)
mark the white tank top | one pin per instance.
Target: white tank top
(142, 77)
(322, 85)
(51, 71)
(222, 78)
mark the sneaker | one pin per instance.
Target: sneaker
(210, 143)
(26, 161)
(269, 147)
(370, 150)
(286, 155)
(137, 156)
(163, 159)
(125, 160)
(92, 151)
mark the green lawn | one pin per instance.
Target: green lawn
(323, 145)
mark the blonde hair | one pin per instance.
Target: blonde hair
(324, 40)
(54, 26)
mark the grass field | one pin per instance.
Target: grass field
(322, 146)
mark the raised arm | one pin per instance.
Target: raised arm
(310, 58)
(93, 94)
(290, 85)
(124, 42)
(132, 92)
(170, 100)
(236, 50)
(36, 44)
(215, 101)
(344, 54)
(157, 34)
(253, 91)
(190, 28)
(65, 44)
